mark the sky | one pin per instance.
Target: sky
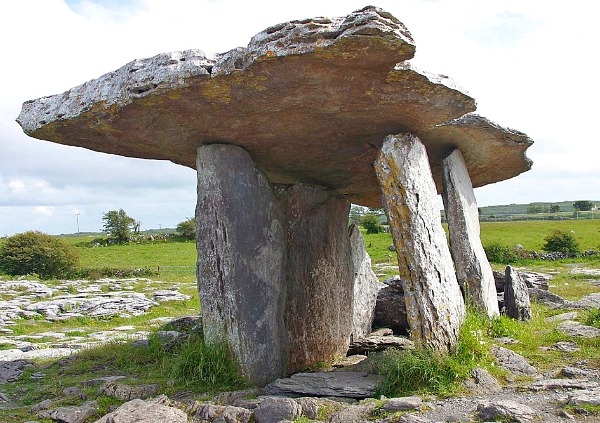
(530, 64)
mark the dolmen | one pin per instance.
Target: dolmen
(285, 134)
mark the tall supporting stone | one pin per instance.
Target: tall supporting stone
(319, 273)
(365, 288)
(434, 304)
(240, 228)
(473, 270)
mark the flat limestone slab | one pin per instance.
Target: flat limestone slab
(327, 384)
(310, 100)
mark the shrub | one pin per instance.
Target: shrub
(561, 242)
(370, 222)
(501, 254)
(35, 252)
(187, 228)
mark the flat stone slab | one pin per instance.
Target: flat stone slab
(573, 328)
(310, 100)
(326, 384)
(548, 384)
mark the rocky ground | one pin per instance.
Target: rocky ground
(342, 394)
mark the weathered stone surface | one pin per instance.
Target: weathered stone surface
(548, 384)
(240, 232)
(513, 362)
(359, 413)
(324, 384)
(140, 411)
(375, 343)
(482, 382)
(71, 414)
(473, 270)
(546, 297)
(10, 371)
(402, 404)
(318, 276)
(366, 286)
(573, 328)
(516, 296)
(536, 279)
(585, 397)
(128, 392)
(562, 317)
(390, 308)
(350, 72)
(507, 410)
(273, 410)
(588, 301)
(434, 304)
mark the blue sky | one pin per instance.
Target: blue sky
(530, 64)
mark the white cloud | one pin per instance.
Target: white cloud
(529, 64)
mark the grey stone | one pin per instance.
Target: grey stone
(233, 414)
(10, 371)
(513, 362)
(390, 308)
(424, 259)
(128, 392)
(375, 343)
(585, 397)
(566, 346)
(42, 405)
(240, 233)
(562, 317)
(551, 384)
(536, 279)
(546, 297)
(365, 288)
(319, 276)
(473, 271)
(326, 384)
(310, 407)
(482, 382)
(273, 409)
(573, 328)
(71, 414)
(588, 301)
(576, 372)
(406, 418)
(507, 410)
(360, 413)
(402, 404)
(169, 295)
(516, 296)
(141, 411)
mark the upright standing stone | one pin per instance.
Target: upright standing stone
(434, 304)
(319, 274)
(241, 260)
(366, 286)
(473, 270)
(516, 295)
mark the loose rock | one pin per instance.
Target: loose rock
(507, 410)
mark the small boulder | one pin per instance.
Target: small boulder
(141, 411)
(274, 409)
(390, 308)
(402, 404)
(505, 410)
(513, 362)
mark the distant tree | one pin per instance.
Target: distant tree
(583, 205)
(118, 225)
(39, 253)
(561, 242)
(554, 208)
(370, 222)
(536, 208)
(187, 228)
(356, 213)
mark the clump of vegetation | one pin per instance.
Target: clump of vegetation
(118, 225)
(187, 228)
(423, 370)
(499, 253)
(561, 242)
(38, 253)
(371, 223)
(593, 318)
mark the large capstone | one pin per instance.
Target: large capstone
(434, 304)
(473, 270)
(351, 73)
